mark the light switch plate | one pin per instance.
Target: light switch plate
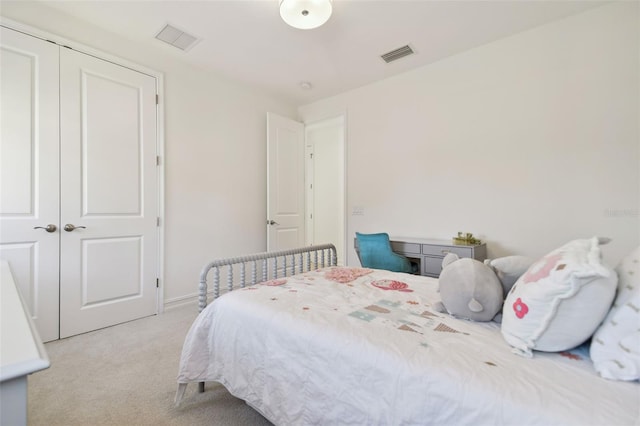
(357, 211)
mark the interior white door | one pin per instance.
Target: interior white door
(285, 183)
(29, 173)
(109, 192)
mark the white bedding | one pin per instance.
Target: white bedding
(316, 351)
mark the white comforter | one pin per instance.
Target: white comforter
(370, 350)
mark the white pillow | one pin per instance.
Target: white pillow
(509, 269)
(615, 347)
(560, 301)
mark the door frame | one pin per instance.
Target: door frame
(309, 166)
(160, 151)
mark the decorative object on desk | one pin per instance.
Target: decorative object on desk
(466, 238)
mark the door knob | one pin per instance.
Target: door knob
(49, 228)
(272, 222)
(69, 227)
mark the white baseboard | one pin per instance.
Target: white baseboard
(189, 299)
(178, 302)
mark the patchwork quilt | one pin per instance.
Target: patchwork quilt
(362, 346)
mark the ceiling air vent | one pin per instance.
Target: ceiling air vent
(398, 53)
(176, 38)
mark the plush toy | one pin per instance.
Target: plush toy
(469, 289)
(474, 290)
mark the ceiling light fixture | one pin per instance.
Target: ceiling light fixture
(305, 14)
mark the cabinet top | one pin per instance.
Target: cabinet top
(431, 241)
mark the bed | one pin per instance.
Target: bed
(314, 343)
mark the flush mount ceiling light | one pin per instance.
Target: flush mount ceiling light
(305, 14)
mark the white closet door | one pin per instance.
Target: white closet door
(29, 172)
(108, 192)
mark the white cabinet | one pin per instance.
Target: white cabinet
(78, 150)
(21, 351)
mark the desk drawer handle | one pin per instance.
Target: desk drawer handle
(446, 251)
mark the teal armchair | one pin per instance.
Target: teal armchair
(374, 251)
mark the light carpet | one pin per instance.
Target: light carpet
(126, 375)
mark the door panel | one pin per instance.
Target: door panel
(110, 144)
(104, 284)
(19, 76)
(285, 183)
(29, 172)
(109, 187)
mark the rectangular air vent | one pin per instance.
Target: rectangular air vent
(177, 38)
(398, 53)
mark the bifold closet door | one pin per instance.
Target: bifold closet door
(29, 173)
(109, 194)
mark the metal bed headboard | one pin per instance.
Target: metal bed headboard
(283, 263)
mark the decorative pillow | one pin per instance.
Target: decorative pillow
(560, 301)
(615, 347)
(509, 269)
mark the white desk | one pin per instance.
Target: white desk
(21, 351)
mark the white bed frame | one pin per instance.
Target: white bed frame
(272, 265)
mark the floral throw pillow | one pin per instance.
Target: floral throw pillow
(615, 347)
(560, 301)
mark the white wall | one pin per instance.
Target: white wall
(528, 142)
(215, 152)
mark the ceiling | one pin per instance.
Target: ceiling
(247, 41)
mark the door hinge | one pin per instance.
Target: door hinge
(311, 155)
(157, 160)
(157, 221)
(157, 99)
(157, 282)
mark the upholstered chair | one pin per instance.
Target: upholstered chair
(374, 251)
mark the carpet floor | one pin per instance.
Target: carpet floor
(126, 375)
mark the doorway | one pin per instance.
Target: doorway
(325, 189)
